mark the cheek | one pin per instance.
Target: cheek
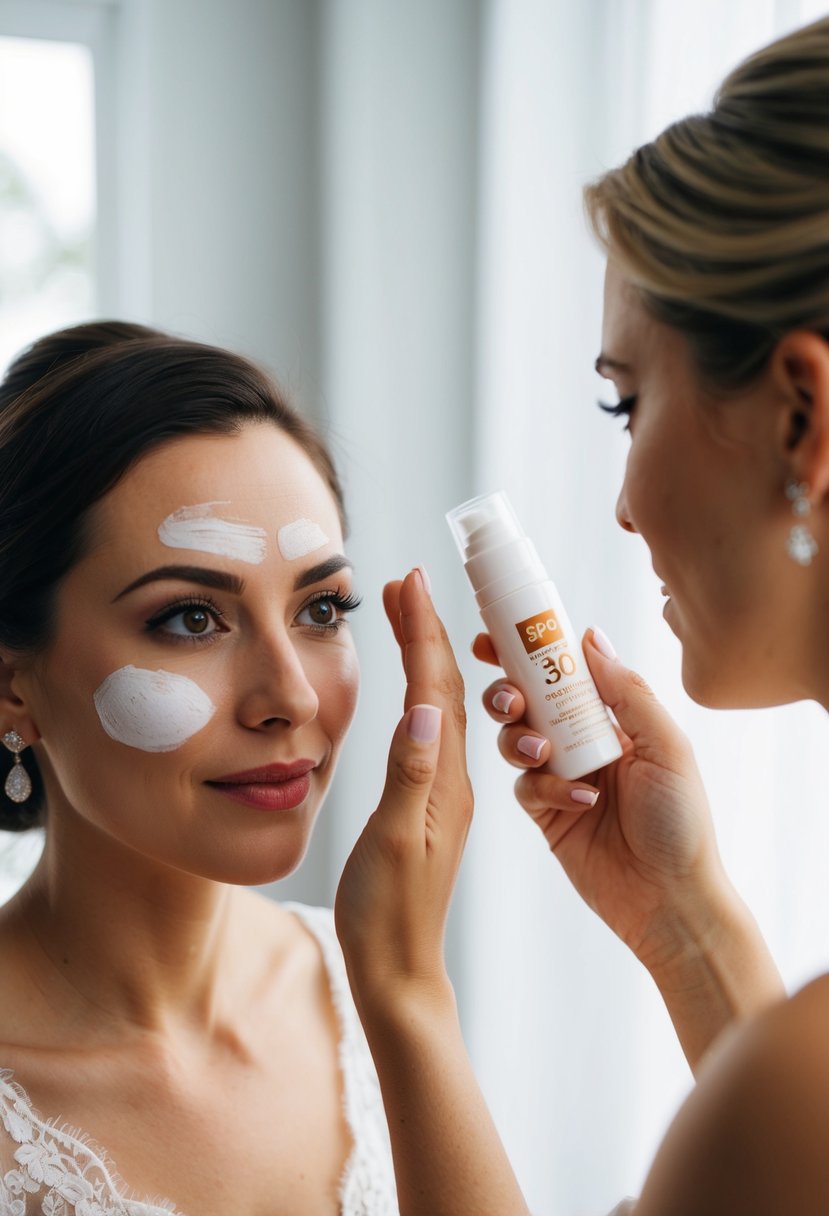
(338, 686)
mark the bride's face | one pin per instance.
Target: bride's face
(201, 640)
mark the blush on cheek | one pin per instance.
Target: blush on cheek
(155, 711)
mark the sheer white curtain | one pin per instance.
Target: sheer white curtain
(572, 1043)
(383, 202)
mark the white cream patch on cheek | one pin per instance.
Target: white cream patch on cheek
(155, 711)
(300, 538)
(198, 528)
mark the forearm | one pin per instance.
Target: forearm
(719, 971)
(448, 1156)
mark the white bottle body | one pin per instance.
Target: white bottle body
(541, 655)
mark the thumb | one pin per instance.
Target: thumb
(413, 764)
(649, 726)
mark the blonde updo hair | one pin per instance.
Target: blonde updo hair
(722, 222)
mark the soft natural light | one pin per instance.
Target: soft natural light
(47, 188)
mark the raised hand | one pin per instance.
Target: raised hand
(396, 887)
(390, 914)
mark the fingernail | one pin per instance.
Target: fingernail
(531, 745)
(603, 644)
(588, 797)
(424, 723)
(424, 578)
(502, 701)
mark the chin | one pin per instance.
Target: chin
(255, 862)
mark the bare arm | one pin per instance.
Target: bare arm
(448, 1156)
(391, 910)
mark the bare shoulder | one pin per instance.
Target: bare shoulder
(752, 1138)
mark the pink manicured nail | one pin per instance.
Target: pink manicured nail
(502, 701)
(588, 797)
(603, 644)
(531, 745)
(424, 723)
(424, 578)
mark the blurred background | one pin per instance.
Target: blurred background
(380, 201)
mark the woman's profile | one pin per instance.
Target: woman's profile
(716, 338)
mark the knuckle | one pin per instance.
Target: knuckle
(641, 685)
(530, 790)
(414, 772)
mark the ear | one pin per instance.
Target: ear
(800, 371)
(14, 710)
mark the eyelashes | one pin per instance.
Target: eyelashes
(206, 616)
(622, 409)
(188, 604)
(341, 603)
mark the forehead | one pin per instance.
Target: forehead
(259, 474)
(625, 322)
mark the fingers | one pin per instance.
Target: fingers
(391, 604)
(642, 718)
(432, 674)
(411, 771)
(504, 702)
(483, 649)
(539, 792)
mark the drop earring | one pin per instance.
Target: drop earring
(801, 546)
(18, 785)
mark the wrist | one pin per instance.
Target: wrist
(708, 957)
(702, 916)
(396, 1003)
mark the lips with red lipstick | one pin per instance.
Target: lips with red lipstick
(274, 787)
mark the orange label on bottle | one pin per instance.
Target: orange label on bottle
(539, 630)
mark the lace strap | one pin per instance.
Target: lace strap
(368, 1187)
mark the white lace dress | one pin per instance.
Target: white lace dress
(49, 1169)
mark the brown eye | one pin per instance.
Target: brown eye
(195, 620)
(327, 612)
(321, 612)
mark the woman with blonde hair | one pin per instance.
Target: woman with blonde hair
(716, 336)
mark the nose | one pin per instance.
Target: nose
(276, 688)
(622, 514)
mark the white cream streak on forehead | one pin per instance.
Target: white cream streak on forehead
(155, 711)
(300, 538)
(198, 528)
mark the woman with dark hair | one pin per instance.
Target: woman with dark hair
(176, 680)
(716, 336)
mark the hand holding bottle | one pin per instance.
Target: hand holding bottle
(638, 844)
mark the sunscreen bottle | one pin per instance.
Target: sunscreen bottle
(533, 637)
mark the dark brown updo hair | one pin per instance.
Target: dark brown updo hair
(77, 410)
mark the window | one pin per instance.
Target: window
(47, 188)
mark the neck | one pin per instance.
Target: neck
(121, 942)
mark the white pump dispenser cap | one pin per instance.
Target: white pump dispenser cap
(497, 555)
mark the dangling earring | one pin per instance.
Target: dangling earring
(801, 545)
(18, 785)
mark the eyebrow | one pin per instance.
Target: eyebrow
(605, 362)
(188, 574)
(315, 574)
(222, 581)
